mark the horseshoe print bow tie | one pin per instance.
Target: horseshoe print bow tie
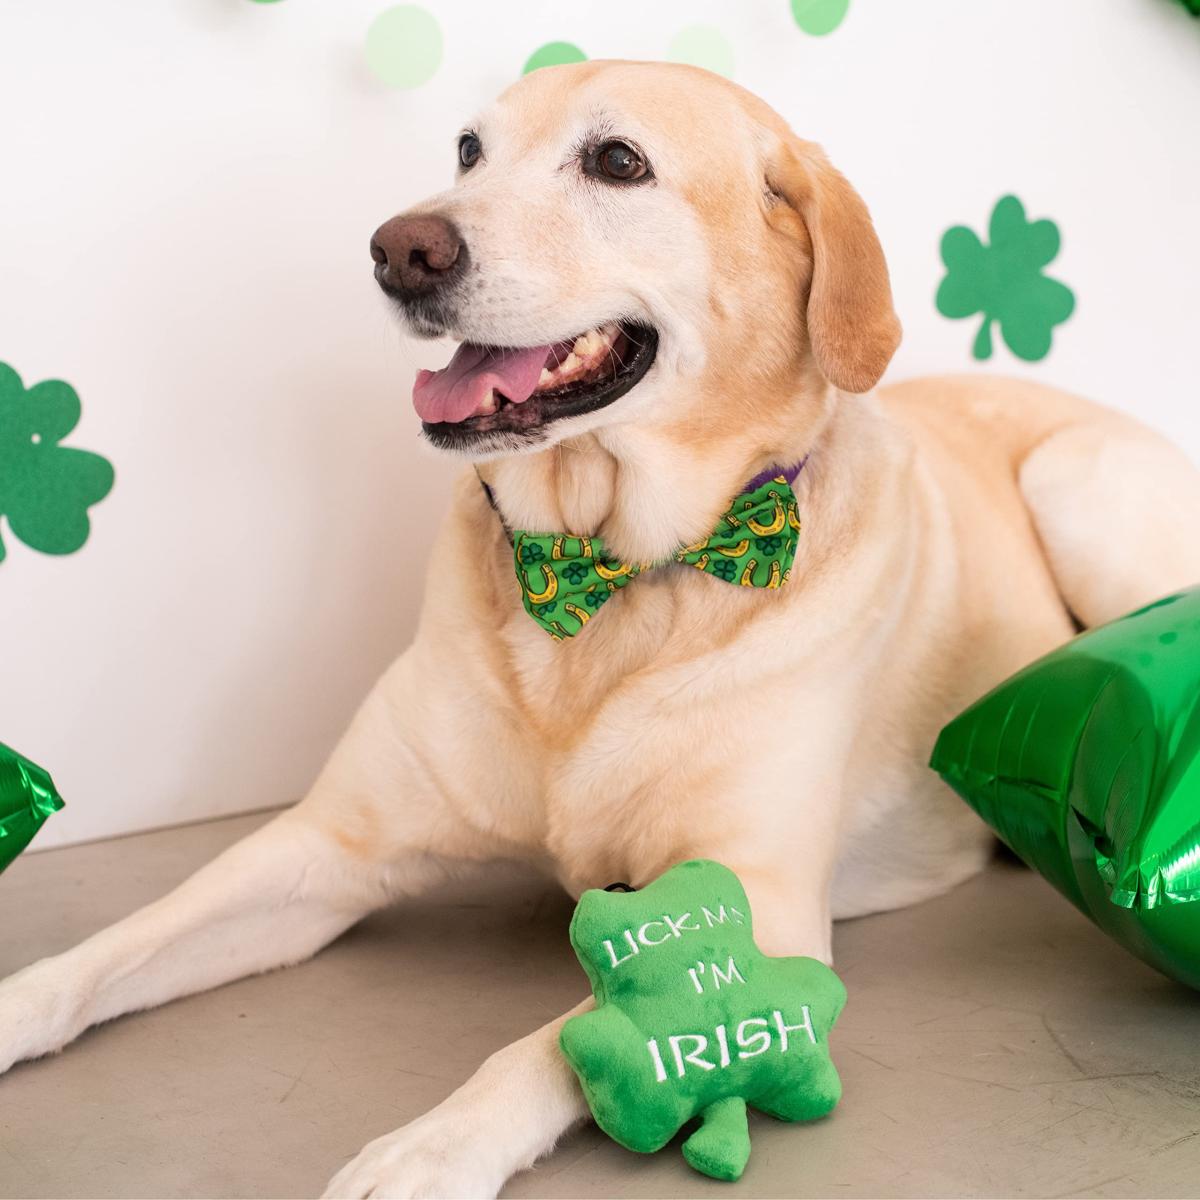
(564, 580)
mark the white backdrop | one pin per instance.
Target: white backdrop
(187, 188)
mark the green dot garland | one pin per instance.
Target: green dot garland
(819, 17)
(703, 46)
(404, 46)
(553, 54)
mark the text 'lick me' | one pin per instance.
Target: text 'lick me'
(752, 1036)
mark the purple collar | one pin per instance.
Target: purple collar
(774, 472)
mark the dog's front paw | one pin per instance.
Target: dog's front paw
(38, 1014)
(435, 1156)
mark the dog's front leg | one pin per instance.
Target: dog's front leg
(504, 1118)
(272, 899)
(358, 840)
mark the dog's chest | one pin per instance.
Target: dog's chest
(639, 727)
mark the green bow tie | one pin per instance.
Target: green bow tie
(564, 579)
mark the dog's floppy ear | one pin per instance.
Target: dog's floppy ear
(852, 326)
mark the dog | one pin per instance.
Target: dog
(662, 294)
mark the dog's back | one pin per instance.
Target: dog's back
(1114, 505)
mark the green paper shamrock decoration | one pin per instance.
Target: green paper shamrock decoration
(45, 489)
(693, 1020)
(1004, 281)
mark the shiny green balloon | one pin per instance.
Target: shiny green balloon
(1087, 764)
(27, 798)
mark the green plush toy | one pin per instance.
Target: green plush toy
(693, 1020)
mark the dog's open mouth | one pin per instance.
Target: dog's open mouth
(487, 392)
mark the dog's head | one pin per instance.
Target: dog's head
(631, 242)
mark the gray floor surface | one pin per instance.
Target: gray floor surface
(995, 1044)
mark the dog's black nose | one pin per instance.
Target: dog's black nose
(417, 254)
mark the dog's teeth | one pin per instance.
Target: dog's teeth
(488, 404)
(570, 363)
(545, 377)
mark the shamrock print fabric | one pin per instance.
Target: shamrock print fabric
(693, 1020)
(1004, 281)
(564, 580)
(46, 489)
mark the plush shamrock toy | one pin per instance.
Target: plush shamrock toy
(693, 1020)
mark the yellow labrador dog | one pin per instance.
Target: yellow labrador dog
(662, 293)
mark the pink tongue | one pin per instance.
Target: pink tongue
(456, 391)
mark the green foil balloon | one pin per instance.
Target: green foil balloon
(1087, 764)
(27, 798)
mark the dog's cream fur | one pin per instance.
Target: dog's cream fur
(951, 528)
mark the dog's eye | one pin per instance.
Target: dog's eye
(469, 151)
(618, 161)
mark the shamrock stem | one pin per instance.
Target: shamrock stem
(982, 348)
(720, 1148)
